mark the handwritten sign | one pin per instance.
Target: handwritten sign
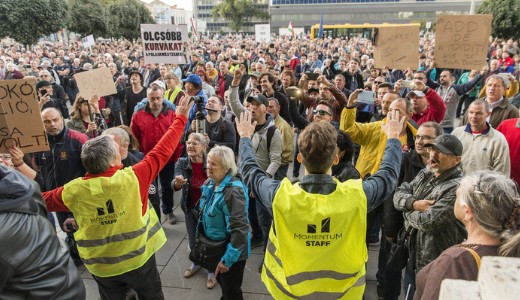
(262, 33)
(462, 42)
(88, 41)
(95, 82)
(164, 43)
(397, 47)
(20, 121)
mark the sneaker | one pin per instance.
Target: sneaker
(171, 218)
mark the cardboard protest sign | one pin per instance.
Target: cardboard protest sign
(88, 41)
(164, 43)
(20, 121)
(262, 33)
(95, 82)
(397, 47)
(461, 42)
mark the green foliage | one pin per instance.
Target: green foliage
(126, 17)
(88, 17)
(238, 11)
(27, 21)
(506, 20)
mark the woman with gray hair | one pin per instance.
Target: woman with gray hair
(223, 217)
(488, 205)
(190, 175)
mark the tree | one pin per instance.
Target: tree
(88, 17)
(237, 12)
(506, 23)
(126, 17)
(26, 21)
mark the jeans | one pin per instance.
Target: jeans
(191, 225)
(231, 281)
(264, 220)
(165, 178)
(145, 281)
(257, 233)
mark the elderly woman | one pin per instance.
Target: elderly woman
(190, 175)
(223, 206)
(89, 121)
(488, 205)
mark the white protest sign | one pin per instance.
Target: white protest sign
(95, 82)
(262, 33)
(164, 43)
(88, 41)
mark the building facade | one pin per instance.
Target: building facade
(305, 13)
(202, 11)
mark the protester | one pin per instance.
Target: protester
(488, 205)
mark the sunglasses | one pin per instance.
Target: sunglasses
(321, 112)
(378, 82)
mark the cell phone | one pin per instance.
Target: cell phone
(312, 76)
(43, 93)
(366, 97)
(407, 84)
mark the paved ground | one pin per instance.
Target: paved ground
(172, 261)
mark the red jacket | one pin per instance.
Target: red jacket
(145, 170)
(148, 129)
(435, 110)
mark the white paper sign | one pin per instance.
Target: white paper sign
(88, 41)
(164, 43)
(262, 33)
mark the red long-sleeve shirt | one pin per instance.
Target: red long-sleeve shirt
(435, 111)
(146, 170)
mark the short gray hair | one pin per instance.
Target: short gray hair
(227, 158)
(98, 153)
(493, 198)
(200, 138)
(119, 132)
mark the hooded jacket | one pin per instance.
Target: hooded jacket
(34, 265)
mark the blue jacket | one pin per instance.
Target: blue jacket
(224, 213)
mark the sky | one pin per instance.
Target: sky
(186, 4)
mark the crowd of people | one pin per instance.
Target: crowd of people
(426, 154)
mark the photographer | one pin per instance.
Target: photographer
(219, 130)
(193, 87)
(44, 97)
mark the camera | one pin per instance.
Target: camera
(200, 119)
(293, 92)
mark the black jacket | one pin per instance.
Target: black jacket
(33, 263)
(393, 219)
(348, 79)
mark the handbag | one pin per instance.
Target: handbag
(399, 252)
(206, 252)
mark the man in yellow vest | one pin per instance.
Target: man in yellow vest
(317, 246)
(117, 232)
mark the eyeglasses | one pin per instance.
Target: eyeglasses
(378, 82)
(321, 112)
(423, 137)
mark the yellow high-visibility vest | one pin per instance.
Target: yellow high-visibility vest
(113, 236)
(316, 246)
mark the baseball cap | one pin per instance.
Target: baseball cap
(159, 83)
(259, 98)
(193, 78)
(416, 93)
(255, 74)
(447, 144)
